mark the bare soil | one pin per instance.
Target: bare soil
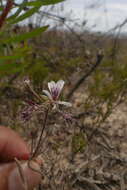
(100, 165)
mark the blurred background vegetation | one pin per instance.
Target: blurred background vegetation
(91, 63)
(44, 46)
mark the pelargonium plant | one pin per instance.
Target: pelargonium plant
(45, 105)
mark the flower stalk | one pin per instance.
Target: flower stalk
(41, 134)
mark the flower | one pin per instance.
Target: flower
(55, 91)
(31, 107)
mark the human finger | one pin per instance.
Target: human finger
(12, 145)
(10, 177)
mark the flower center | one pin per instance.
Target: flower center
(55, 93)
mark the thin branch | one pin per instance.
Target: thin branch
(86, 75)
(5, 12)
(118, 26)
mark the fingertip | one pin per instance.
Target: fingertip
(12, 145)
(24, 156)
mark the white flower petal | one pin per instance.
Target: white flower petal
(60, 85)
(51, 85)
(47, 94)
(64, 103)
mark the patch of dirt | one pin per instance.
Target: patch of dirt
(100, 165)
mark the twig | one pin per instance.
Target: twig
(122, 180)
(86, 75)
(5, 12)
(84, 114)
(118, 26)
(82, 181)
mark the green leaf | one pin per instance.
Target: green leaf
(30, 12)
(10, 68)
(12, 57)
(1, 8)
(42, 3)
(27, 14)
(28, 35)
(21, 7)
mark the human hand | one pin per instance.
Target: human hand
(12, 146)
